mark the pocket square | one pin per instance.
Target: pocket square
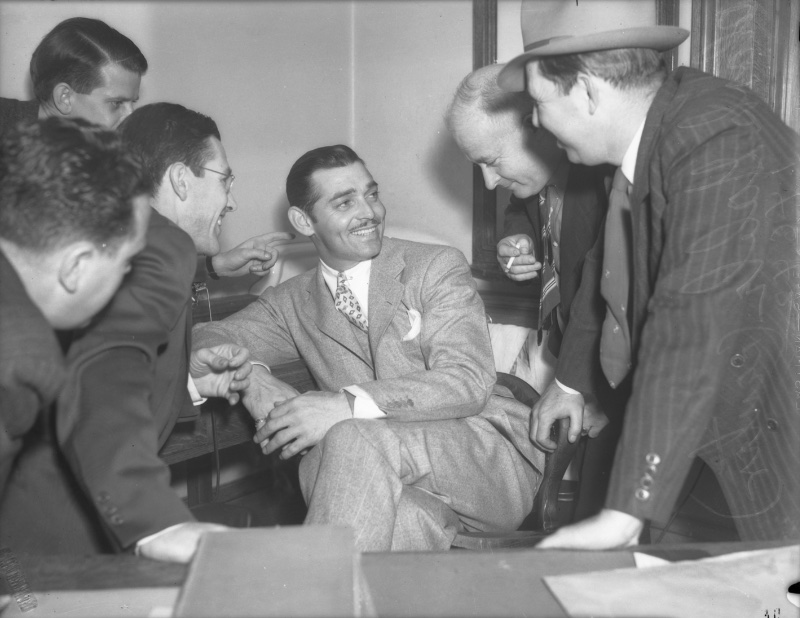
(416, 324)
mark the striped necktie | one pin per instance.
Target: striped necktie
(615, 286)
(345, 301)
(550, 296)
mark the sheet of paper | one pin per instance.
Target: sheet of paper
(748, 584)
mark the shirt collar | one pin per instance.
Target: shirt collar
(629, 160)
(357, 276)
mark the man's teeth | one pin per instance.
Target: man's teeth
(364, 231)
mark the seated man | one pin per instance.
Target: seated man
(406, 442)
(73, 211)
(129, 371)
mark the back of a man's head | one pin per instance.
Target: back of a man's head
(625, 69)
(479, 93)
(75, 51)
(63, 181)
(300, 189)
(161, 134)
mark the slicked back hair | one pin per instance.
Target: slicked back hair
(161, 134)
(300, 189)
(632, 68)
(75, 51)
(479, 91)
(63, 181)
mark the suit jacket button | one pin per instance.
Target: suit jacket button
(653, 459)
(642, 494)
(737, 360)
(117, 520)
(103, 496)
(772, 424)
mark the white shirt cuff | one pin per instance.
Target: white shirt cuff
(567, 389)
(363, 406)
(149, 538)
(197, 398)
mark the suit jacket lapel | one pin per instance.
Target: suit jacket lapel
(385, 291)
(323, 313)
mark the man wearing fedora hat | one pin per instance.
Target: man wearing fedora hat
(697, 264)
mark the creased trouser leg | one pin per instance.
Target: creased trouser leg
(356, 476)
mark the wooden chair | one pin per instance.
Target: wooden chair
(543, 519)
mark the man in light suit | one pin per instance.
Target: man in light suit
(406, 441)
(493, 129)
(704, 325)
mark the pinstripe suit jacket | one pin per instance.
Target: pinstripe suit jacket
(715, 317)
(446, 371)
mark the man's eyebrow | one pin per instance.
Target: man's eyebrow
(336, 196)
(372, 185)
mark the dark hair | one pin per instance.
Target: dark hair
(75, 51)
(161, 134)
(300, 189)
(66, 180)
(623, 68)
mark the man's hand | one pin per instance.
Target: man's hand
(255, 255)
(594, 419)
(524, 266)
(300, 423)
(264, 393)
(609, 529)
(221, 371)
(177, 544)
(554, 404)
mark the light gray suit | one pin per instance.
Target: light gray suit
(450, 452)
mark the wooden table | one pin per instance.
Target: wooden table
(456, 583)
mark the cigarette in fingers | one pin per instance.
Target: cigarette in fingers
(511, 259)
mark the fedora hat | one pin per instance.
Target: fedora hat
(556, 27)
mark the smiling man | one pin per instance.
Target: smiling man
(129, 371)
(555, 215)
(405, 441)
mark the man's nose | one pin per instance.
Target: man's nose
(490, 178)
(232, 203)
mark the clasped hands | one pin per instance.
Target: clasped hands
(289, 421)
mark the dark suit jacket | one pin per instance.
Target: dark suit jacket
(585, 205)
(31, 366)
(445, 371)
(715, 315)
(125, 390)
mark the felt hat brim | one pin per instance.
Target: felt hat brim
(660, 38)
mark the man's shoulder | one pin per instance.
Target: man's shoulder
(417, 251)
(13, 111)
(171, 247)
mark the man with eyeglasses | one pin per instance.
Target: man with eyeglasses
(130, 368)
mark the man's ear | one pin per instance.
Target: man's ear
(63, 98)
(300, 221)
(75, 263)
(589, 91)
(178, 175)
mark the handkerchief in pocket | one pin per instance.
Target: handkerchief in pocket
(416, 323)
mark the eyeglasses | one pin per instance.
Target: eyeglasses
(229, 178)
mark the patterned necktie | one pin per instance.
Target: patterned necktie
(615, 286)
(345, 301)
(550, 296)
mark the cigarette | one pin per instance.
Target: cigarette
(511, 259)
